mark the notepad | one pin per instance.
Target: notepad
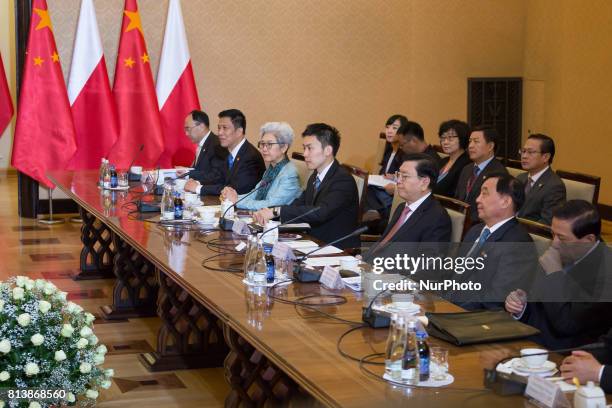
(379, 180)
(330, 250)
(331, 261)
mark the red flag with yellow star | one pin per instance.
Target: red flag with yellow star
(44, 134)
(6, 103)
(135, 97)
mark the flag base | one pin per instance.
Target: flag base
(51, 220)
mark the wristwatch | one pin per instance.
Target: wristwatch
(276, 212)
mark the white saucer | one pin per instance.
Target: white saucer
(275, 283)
(414, 308)
(429, 383)
(548, 366)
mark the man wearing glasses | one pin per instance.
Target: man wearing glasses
(544, 190)
(197, 130)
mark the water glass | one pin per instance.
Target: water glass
(439, 363)
(122, 179)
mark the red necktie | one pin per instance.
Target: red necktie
(398, 224)
(471, 181)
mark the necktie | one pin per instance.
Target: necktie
(486, 232)
(198, 151)
(230, 161)
(529, 185)
(317, 184)
(398, 224)
(471, 181)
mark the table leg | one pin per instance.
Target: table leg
(190, 336)
(255, 381)
(136, 287)
(98, 252)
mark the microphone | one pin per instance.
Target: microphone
(225, 224)
(305, 274)
(132, 176)
(291, 220)
(512, 384)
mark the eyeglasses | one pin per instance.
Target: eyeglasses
(448, 138)
(399, 176)
(188, 128)
(267, 145)
(527, 152)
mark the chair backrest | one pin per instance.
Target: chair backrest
(303, 171)
(513, 171)
(580, 186)
(380, 151)
(514, 167)
(361, 179)
(397, 200)
(540, 233)
(440, 151)
(459, 213)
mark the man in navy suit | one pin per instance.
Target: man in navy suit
(420, 218)
(197, 129)
(236, 163)
(500, 242)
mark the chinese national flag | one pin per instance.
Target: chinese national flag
(6, 103)
(44, 135)
(135, 97)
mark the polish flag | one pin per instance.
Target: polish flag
(6, 103)
(176, 91)
(89, 93)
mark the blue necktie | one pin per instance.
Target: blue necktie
(317, 184)
(486, 232)
(230, 161)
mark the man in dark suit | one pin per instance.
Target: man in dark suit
(412, 140)
(197, 129)
(330, 187)
(570, 301)
(236, 162)
(481, 149)
(500, 242)
(596, 367)
(421, 218)
(544, 190)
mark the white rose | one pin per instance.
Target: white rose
(61, 296)
(20, 281)
(93, 340)
(73, 308)
(37, 339)
(60, 355)
(99, 359)
(89, 318)
(44, 306)
(67, 330)
(18, 293)
(85, 368)
(24, 319)
(40, 284)
(29, 284)
(5, 346)
(1, 305)
(49, 288)
(101, 349)
(82, 343)
(34, 405)
(31, 369)
(93, 394)
(70, 397)
(4, 376)
(106, 384)
(109, 372)
(86, 332)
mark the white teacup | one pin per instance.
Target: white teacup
(349, 264)
(534, 361)
(191, 198)
(207, 214)
(136, 170)
(180, 184)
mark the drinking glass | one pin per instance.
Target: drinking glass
(439, 363)
(122, 178)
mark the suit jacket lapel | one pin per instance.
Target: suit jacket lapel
(236, 164)
(326, 181)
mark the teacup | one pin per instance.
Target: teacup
(191, 198)
(534, 361)
(180, 184)
(136, 170)
(207, 214)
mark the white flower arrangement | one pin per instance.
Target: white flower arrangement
(48, 343)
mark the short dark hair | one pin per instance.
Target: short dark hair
(490, 135)
(326, 135)
(425, 167)
(584, 216)
(412, 129)
(461, 128)
(200, 117)
(547, 145)
(510, 186)
(238, 119)
(401, 118)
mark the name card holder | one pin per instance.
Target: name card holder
(331, 279)
(544, 393)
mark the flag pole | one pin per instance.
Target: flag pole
(50, 220)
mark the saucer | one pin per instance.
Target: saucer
(544, 368)
(412, 308)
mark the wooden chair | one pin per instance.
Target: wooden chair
(580, 186)
(361, 179)
(540, 233)
(303, 171)
(459, 213)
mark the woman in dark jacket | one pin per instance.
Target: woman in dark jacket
(454, 137)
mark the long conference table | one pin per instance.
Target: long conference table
(272, 352)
